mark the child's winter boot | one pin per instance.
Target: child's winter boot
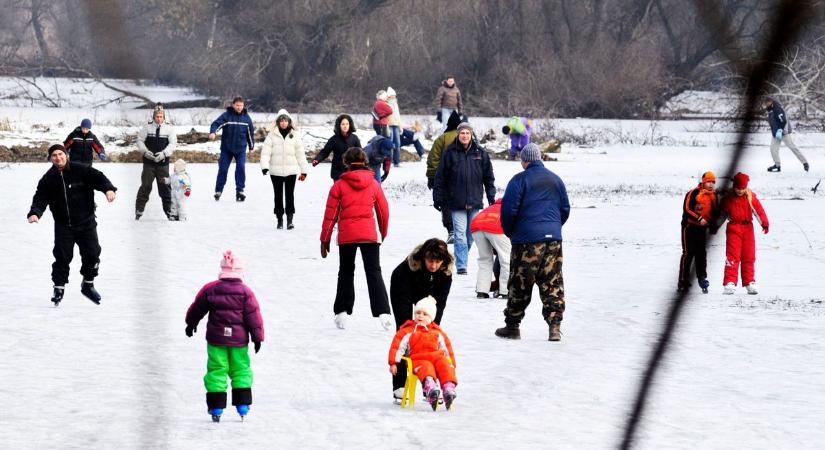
(431, 392)
(449, 393)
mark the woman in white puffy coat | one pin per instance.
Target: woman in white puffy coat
(283, 159)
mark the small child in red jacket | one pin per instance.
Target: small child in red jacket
(740, 207)
(430, 350)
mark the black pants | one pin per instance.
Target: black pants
(278, 185)
(402, 309)
(345, 296)
(694, 239)
(447, 219)
(65, 238)
(152, 173)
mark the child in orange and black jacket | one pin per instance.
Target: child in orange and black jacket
(430, 350)
(740, 207)
(699, 213)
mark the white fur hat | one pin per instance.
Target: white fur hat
(381, 95)
(390, 92)
(180, 166)
(428, 305)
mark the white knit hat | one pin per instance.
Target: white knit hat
(390, 92)
(180, 166)
(428, 305)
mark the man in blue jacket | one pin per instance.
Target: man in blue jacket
(238, 132)
(781, 133)
(463, 177)
(534, 208)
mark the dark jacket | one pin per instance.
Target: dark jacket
(337, 145)
(535, 206)
(411, 282)
(80, 146)
(69, 194)
(463, 177)
(238, 131)
(233, 310)
(777, 119)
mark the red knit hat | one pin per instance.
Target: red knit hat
(740, 181)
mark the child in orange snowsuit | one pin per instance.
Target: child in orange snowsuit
(430, 350)
(740, 207)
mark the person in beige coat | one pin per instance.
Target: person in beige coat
(283, 159)
(395, 126)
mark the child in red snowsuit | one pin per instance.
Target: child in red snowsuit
(430, 350)
(740, 207)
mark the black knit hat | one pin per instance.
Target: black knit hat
(55, 147)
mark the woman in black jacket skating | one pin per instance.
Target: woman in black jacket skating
(343, 139)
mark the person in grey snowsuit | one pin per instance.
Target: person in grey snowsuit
(156, 140)
(781, 133)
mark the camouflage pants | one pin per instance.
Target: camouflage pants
(538, 263)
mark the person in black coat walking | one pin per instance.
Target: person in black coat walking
(343, 139)
(427, 271)
(67, 189)
(81, 144)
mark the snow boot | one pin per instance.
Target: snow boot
(280, 222)
(555, 332)
(482, 295)
(752, 290)
(218, 195)
(431, 392)
(703, 283)
(87, 288)
(243, 410)
(509, 332)
(729, 288)
(449, 393)
(775, 168)
(57, 296)
(289, 224)
(239, 196)
(216, 414)
(341, 320)
(805, 166)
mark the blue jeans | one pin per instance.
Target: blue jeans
(463, 237)
(445, 116)
(377, 169)
(396, 144)
(223, 169)
(408, 138)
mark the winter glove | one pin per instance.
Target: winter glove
(430, 183)
(190, 330)
(779, 134)
(257, 346)
(384, 177)
(264, 171)
(102, 156)
(314, 162)
(765, 229)
(437, 207)
(149, 155)
(324, 249)
(187, 192)
(303, 177)
(160, 157)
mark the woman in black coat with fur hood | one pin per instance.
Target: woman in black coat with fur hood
(343, 139)
(427, 271)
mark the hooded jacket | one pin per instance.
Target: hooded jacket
(441, 143)
(234, 313)
(357, 204)
(238, 131)
(420, 342)
(69, 194)
(337, 145)
(535, 206)
(411, 281)
(283, 156)
(80, 147)
(700, 203)
(463, 177)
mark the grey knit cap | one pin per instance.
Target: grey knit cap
(531, 152)
(463, 125)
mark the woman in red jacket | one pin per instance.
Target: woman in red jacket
(740, 207)
(357, 204)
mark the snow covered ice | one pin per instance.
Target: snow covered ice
(744, 371)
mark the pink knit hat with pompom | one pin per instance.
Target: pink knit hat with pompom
(231, 266)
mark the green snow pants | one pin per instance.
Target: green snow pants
(223, 361)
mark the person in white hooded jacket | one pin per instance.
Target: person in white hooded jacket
(283, 159)
(395, 126)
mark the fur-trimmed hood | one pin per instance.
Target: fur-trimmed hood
(416, 265)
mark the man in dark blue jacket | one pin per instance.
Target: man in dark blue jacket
(781, 133)
(238, 133)
(463, 177)
(67, 189)
(534, 208)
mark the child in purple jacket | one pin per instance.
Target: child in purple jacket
(234, 315)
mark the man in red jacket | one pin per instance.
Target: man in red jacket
(740, 207)
(491, 241)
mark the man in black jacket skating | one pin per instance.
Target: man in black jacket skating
(67, 189)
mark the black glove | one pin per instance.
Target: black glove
(190, 330)
(430, 183)
(437, 207)
(257, 346)
(265, 171)
(384, 177)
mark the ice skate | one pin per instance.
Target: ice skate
(341, 320)
(482, 295)
(752, 289)
(243, 410)
(57, 296)
(449, 394)
(289, 224)
(729, 289)
(280, 225)
(216, 414)
(386, 321)
(87, 288)
(806, 166)
(775, 168)
(239, 196)
(218, 195)
(703, 283)
(397, 395)
(431, 392)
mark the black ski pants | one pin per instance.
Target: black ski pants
(65, 238)
(694, 239)
(345, 296)
(154, 173)
(278, 184)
